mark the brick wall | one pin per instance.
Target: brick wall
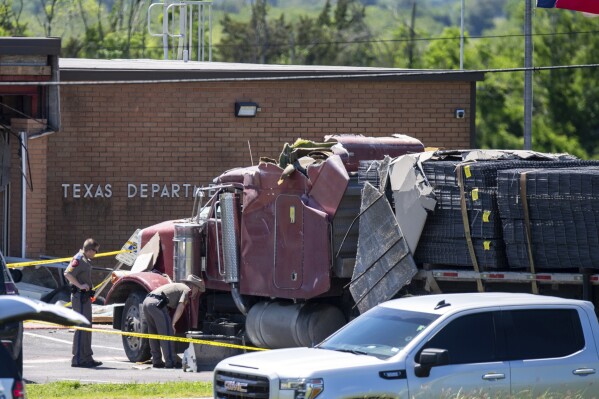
(115, 135)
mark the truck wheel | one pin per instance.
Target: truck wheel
(137, 349)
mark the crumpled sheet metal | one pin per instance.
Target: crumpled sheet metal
(384, 263)
(412, 194)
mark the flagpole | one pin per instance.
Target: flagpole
(528, 62)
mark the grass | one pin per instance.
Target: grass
(74, 389)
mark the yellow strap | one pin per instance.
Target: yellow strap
(531, 262)
(465, 221)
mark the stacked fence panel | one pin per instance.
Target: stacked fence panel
(563, 217)
(495, 225)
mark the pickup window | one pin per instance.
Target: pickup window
(468, 339)
(381, 332)
(542, 333)
(510, 335)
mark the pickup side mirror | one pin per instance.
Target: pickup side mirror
(16, 274)
(430, 358)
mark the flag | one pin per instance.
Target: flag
(590, 6)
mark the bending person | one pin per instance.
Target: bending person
(156, 314)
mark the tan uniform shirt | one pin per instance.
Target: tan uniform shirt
(176, 293)
(80, 268)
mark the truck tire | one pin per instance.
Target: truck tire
(137, 349)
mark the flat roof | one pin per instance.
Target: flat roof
(79, 69)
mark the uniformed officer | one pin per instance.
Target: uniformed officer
(79, 274)
(156, 314)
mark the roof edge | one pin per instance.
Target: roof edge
(30, 45)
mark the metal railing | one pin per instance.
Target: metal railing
(181, 22)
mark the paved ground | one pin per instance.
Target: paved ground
(47, 358)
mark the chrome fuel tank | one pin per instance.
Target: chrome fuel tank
(187, 243)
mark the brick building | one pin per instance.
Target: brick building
(133, 137)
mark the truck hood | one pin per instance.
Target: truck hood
(299, 361)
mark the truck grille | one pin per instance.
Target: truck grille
(236, 385)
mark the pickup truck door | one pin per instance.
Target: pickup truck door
(552, 352)
(474, 368)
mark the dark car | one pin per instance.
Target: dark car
(14, 309)
(11, 334)
(11, 381)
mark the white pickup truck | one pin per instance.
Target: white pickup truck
(476, 345)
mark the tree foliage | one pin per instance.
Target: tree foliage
(419, 34)
(337, 36)
(259, 40)
(10, 19)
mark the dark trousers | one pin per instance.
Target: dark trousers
(159, 322)
(82, 341)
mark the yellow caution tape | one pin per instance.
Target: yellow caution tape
(68, 304)
(475, 194)
(50, 261)
(130, 334)
(164, 337)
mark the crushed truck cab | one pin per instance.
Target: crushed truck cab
(274, 244)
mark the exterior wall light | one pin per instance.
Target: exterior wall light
(246, 109)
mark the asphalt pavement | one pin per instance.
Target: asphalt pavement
(47, 358)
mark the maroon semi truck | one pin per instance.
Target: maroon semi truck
(275, 244)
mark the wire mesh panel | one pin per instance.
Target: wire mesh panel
(566, 193)
(563, 211)
(490, 254)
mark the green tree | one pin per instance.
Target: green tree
(500, 103)
(480, 15)
(52, 10)
(569, 99)
(10, 18)
(261, 40)
(120, 33)
(342, 38)
(444, 53)
(314, 42)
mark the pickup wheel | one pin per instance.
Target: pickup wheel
(137, 349)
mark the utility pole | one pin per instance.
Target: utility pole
(462, 36)
(528, 62)
(412, 37)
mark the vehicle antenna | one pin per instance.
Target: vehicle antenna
(251, 157)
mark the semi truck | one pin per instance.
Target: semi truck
(293, 248)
